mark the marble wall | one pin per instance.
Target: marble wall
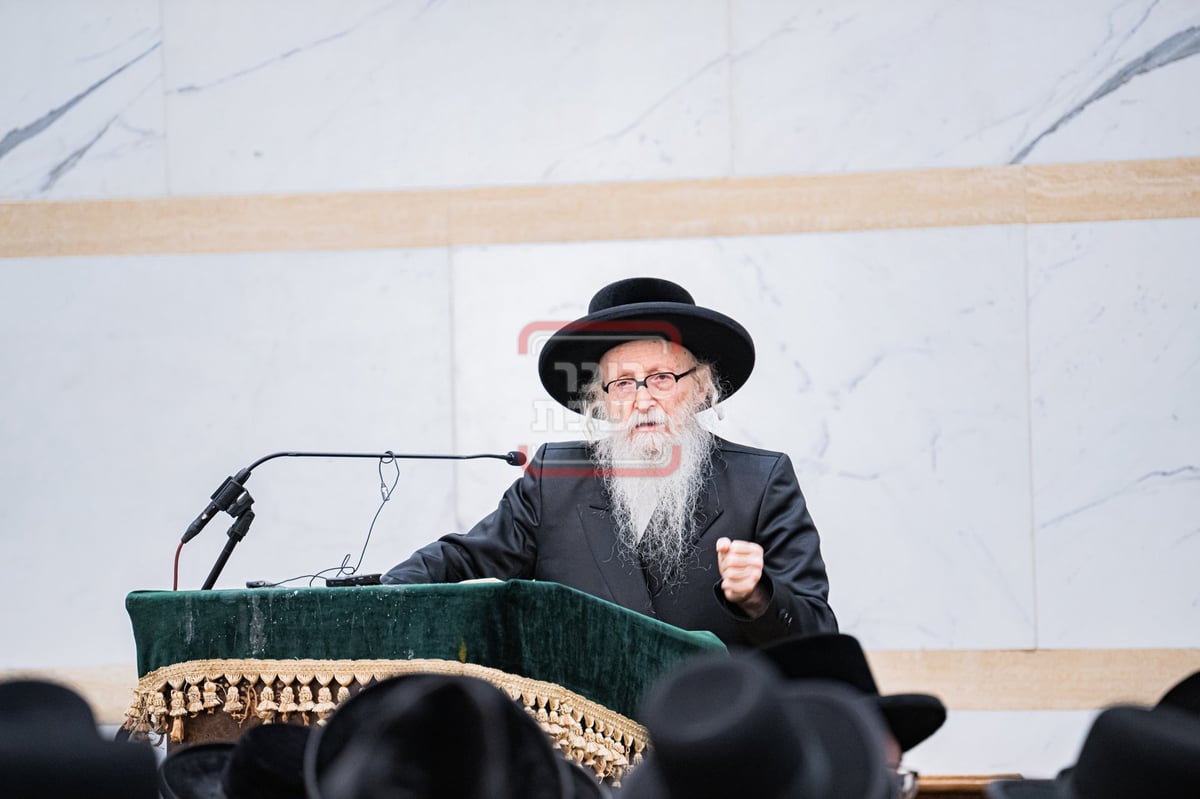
(145, 98)
(995, 426)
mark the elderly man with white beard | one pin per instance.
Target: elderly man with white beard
(656, 513)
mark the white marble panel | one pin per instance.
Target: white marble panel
(81, 103)
(369, 95)
(1114, 349)
(858, 86)
(1035, 744)
(139, 384)
(891, 366)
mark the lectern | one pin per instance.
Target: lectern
(213, 663)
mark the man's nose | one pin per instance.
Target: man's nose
(642, 399)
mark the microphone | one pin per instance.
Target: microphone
(222, 500)
(234, 487)
(233, 498)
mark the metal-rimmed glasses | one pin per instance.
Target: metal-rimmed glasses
(659, 384)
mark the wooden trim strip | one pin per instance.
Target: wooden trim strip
(1103, 192)
(927, 198)
(108, 689)
(1042, 679)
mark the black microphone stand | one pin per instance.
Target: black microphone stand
(242, 517)
(232, 496)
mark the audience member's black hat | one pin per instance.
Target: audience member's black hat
(267, 762)
(638, 308)
(722, 727)
(50, 746)
(438, 736)
(1129, 753)
(1184, 695)
(836, 656)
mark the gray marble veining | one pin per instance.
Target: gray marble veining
(18, 136)
(1184, 44)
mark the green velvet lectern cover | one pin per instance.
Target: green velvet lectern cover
(544, 631)
(270, 655)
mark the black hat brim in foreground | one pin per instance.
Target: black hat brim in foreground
(911, 718)
(1129, 751)
(571, 356)
(1184, 695)
(804, 738)
(194, 772)
(458, 734)
(50, 746)
(266, 762)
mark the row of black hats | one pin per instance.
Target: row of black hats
(803, 719)
(722, 726)
(462, 737)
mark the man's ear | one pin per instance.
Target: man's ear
(710, 390)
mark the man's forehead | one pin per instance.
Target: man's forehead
(645, 352)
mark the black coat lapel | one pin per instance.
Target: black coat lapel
(710, 504)
(626, 583)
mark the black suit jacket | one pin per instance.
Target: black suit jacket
(554, 524)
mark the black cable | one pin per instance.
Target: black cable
(343, 570)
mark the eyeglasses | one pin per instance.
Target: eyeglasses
(910, 783)
(659, 384)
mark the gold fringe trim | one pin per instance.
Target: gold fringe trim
(272, 691)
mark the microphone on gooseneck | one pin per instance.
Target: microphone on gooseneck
(222, 500)
(233, 487)
(233, 498)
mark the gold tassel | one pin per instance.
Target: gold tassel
(233, 701)
(210, 696)
(157, 713)
(306, 703)
(324, 707)
(195, 705)
(136, 718)
(287, 703)
(267, 707)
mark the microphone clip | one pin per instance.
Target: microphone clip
(242, 517)
(227, 495)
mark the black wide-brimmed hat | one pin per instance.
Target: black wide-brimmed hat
(266, 762)
(1184, 694)
(1129, 753)
(836, 656)
(50, 746)
(639, 308)
(722, 727)
(432, 735)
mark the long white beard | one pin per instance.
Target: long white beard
(655, 482)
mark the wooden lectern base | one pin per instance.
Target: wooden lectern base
(218, 727)
(959, 786)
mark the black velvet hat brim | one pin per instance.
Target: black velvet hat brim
(912, 717)
(364, 723)
(195, 771)
(572, 355)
